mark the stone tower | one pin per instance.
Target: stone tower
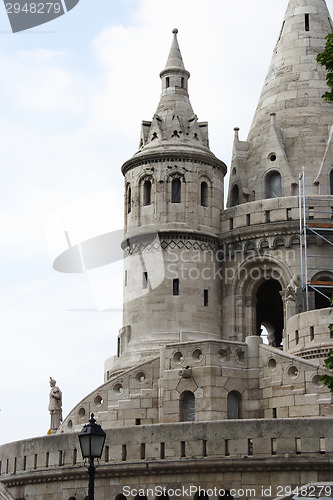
(194, 396)
(292, 125)
(173, 200)
(260, 232)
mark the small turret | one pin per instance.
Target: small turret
(173, 201)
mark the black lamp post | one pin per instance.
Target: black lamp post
(92, 439)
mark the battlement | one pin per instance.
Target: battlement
(163, 449)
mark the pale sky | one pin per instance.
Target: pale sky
(73, 93)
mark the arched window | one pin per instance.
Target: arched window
(235, 196)
(129, 199)
(162, 496)
(331, 182)
(204, 194)
(187, 407)
(269, 312)
(120, 496)
(233, 405)
(201, 495)
(176, 190)
(323, 294)
(225, 494)
(274, 185)
(147, 193)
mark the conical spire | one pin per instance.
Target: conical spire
(174, 123)
(175, 60)
(292, 91)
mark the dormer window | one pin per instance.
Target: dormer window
(274, 185)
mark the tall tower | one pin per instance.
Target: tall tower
(291, 126)
(173, 200)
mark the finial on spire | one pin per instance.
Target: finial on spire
(175, 58)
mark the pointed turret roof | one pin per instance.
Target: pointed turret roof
(175, 60)
(292, 91)
(174, 127)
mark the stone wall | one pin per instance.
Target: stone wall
(242, 454)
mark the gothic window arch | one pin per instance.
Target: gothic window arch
(273, 185)
(187, 407)
(234, 399)
(235, 195)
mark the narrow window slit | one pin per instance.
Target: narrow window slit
(175, 286)
(307, 22)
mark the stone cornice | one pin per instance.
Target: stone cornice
(281, 228)
(160, 467)
(164, 155)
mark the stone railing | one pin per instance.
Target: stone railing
(273, 211)
(218, 440)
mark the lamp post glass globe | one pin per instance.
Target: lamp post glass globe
(92, 439)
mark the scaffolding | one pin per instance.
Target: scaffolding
(316, 219)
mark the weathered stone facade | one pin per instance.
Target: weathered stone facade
(195, 395)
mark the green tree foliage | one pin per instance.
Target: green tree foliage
(328, 363)
(325, 58)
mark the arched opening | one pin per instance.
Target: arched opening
(225, 495)
(274, 185)
(201, 495)
(162, 496)
(120, 496)
(323, 293)
(147, 193)
(331, 182)
(187, 407)
(270, 311)
(235, 195)
(234, 399)
(129, 199)
(176, 190)
(204, 194)
(140, 497)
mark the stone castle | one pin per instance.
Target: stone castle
(216, 381)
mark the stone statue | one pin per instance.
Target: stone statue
(55, 406)
(293, 289)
